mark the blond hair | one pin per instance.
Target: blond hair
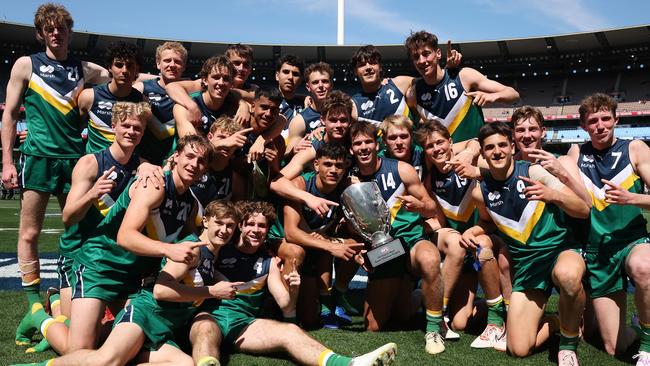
(123, 110)
(173, 46)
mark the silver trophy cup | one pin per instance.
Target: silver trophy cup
(364, 207)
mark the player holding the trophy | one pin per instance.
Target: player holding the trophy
(407, 203)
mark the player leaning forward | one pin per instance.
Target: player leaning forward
(526, 206)
(614, 172)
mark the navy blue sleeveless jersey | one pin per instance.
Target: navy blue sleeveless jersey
(228, 108)
(100, 130)
(314, 221)
(447, 103)
(454, 195)
(387, 101)
(75, 235)
(612, 226)
(405, 224)
(312, 119)
(157, 143)
(51, 112)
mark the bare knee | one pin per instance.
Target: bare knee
(428, 262)
(203, 329)
(289, 252)
(639, 271)
(519, 349)
(459, 322)
(569, 279)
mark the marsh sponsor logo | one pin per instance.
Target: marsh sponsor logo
(104, 105)
(46, 71)
(587, 161)
(154, 97)
(367, 105)
(494, 198)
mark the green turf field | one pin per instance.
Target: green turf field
(351, 340)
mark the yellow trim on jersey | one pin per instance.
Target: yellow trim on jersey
(530, 221)
(625, 178)
(465, 208)
(162, 130)
(460, 115)
(57, 102)
(460, 216)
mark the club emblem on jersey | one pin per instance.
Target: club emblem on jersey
(227, 261)
(46, 69)
(367, 105)
(314, 124)
(588, 158)
(104, 105)
(440, 184)
(425, 97)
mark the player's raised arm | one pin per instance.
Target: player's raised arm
(486, 91)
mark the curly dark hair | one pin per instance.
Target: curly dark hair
(123, 51)
(247, 209)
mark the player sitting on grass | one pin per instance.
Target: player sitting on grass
(235, 323)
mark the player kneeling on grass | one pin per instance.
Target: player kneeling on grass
(525, 204)
(313, 232)
(409, 202)
(452, 188)
(234, 321)
(97, 181)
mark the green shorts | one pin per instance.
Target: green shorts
(606, 269)
(64, 270)
(231, 322)
(157, 323)
(533, 270)
(107, 286)
(50, 175)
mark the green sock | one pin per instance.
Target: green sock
(54, 299)
(39, 315)
(434, 320)
(42, 346)
(25, 330)
(329, 358)
(568, 342)
(644, 345)
(32, 290)
(496, 311)
(327, 303)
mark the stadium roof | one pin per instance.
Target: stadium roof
(12, 33)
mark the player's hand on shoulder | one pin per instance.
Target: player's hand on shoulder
(149, 174)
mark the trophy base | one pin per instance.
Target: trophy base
(385, 253)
